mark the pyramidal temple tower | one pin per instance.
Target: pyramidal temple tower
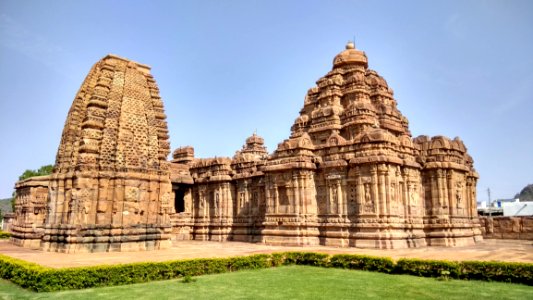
(110, 189)
(351, 175)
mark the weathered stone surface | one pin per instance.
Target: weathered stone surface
(349, 175)
(27, 228)
(111, 167)
(515, 228)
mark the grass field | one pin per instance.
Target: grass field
(293, 282)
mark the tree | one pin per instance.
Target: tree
(526, 194)
(44, 170)
(13, 196)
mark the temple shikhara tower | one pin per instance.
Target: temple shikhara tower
(349, 175)
(110, 189)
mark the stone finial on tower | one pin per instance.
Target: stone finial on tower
(350, 56)
(350, 45)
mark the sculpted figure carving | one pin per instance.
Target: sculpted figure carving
(394, 198)
(459, 194)
(217, 202)
(201, 203)
(367, 192)
(337, 79)
(369, 204)
(241, 199)
(334, 199)
(413, 196)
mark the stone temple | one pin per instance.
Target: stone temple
(349, 175)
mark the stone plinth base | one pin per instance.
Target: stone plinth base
(334, 231)
(453, 241)
(107, 247)
(27, 243)
(105, 238)
(219, 232)
(212, 230)
(290, 234)
(292, 240)
(452, 238)
(452, 232)
(367, 233)
(181, 226)
(201, 232)
(27, 235)
(246, 232)
(386, 240)
(388, 243)
(181, 233)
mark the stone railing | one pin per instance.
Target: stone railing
(516, 228)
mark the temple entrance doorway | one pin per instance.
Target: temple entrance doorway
(179, 192)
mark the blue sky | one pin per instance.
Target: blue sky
(227, 68)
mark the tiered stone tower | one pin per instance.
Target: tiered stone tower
(350, 174)
(110, 189)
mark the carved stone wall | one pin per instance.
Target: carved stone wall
(27, 228)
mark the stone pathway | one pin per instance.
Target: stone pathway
(500, 250)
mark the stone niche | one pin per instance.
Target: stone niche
(349, 175)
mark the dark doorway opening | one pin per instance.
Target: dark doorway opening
(179, 199)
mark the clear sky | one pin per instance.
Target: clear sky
(227, 68)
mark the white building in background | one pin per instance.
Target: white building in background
(517, 208)
(505, 207)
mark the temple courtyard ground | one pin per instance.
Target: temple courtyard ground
(487, 250)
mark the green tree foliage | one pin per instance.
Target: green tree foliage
(526, 194)
(44, 170)
(13, 196)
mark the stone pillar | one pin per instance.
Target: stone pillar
(450, 186)
(389, 198)
(302, 207)
(276, 199)
(404, 197)
(340, 202)
(360, 197)
(382, 198)
(374, 192)
(296, 192)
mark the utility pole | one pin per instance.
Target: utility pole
(490, 203)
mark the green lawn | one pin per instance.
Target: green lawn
(292, 282)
